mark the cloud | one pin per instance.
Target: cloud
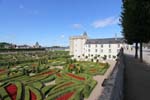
(77, 26)
(105, 22)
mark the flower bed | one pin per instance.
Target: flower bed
(44, 73)
(66, 84)
(49, 73)
(2, 70)
(59, 75)
(65, 96)
(93, 70)
(71, 66)
(12, 91)
(32, 96)
(34, 65)
(102, 64)
(76, 77)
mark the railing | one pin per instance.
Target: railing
(113, 85)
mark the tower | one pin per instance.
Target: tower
(77, 45)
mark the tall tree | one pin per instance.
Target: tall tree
(135, 21)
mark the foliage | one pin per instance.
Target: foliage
(135, 21)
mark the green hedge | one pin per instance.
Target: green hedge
(47, 89)
(27, 93)
(78, 94)
(58, 92)
(34, 90)
(37, 85)
(49, 78)
(19, 90)
(4, 94)
(37, 92)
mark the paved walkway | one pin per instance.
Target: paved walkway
(100, 78)
(137, 79)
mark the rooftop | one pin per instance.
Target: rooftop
(105, 41)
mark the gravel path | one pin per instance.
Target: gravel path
(137, 79)
(50, 83)
(98, 89)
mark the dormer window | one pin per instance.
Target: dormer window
(109, 45)
(95, 45)
(118, 45)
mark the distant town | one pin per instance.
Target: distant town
(5, 45)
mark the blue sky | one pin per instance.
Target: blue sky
(52, 22)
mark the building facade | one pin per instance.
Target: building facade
(77, 44)
(83, 48)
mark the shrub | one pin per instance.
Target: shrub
(47, 89)
(27, 93)
(4, 95)
(86, 91)
(49, 78)
(77, 95)
(37, 85)
(36, 92)
(19, 90)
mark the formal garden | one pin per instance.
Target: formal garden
(47, 76)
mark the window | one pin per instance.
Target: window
(109, 45)
(118, 45)
(114, 57)
(88, 50)
(101, 45)
(95, 50)
(101, 50)
(118, 50)
(109, 56)
(96, 45)
(89, 45)
(109, 50)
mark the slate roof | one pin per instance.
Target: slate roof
(105, 41)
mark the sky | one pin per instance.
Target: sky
(52, 22)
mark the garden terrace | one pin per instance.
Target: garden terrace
(31, 80)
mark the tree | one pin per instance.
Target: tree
(135, 22)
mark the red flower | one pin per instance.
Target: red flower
(2, 70)
(59, 75)
(32, 96)
(65, 96)
(74, 76)
(12, 91)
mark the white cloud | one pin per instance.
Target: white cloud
(105, 22)
(77, 26)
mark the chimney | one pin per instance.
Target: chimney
(116, 36)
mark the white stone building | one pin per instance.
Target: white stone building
(83, 48)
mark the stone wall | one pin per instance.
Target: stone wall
(113, 85)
